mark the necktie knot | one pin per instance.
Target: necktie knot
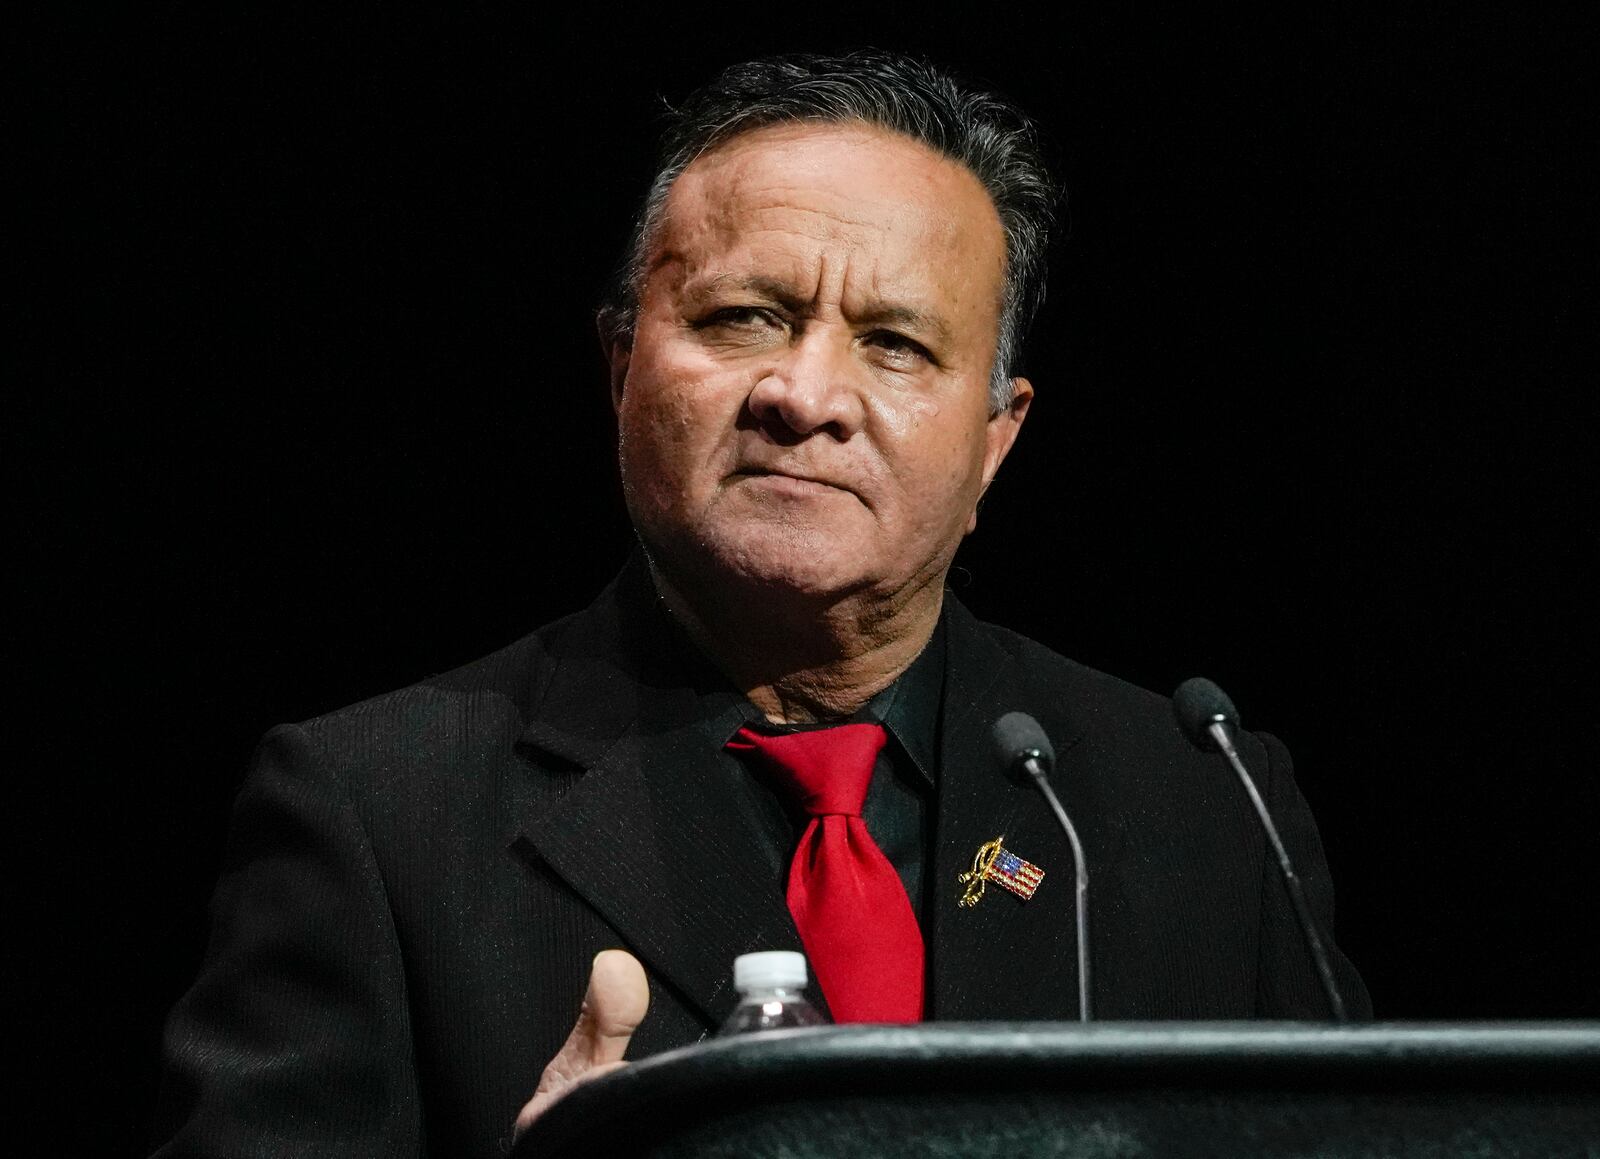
(828, 769)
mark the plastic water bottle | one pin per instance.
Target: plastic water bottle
(771, 988)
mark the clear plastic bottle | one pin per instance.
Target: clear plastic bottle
(771, 988)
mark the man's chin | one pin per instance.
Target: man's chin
(809, 575)
(781, 565)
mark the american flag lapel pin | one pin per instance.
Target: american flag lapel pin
(994, 862)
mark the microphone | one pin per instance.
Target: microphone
(1022, 747)
(1209, 719)
(1200, 706)
(1025, 754)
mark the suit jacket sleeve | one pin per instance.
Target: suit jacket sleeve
(296, 1038)
(1287, 985)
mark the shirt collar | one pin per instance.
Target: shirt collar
(908, 708)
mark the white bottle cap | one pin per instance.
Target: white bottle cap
(769, 970)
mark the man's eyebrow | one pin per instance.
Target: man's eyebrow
(766, 287)
(775, 290)
(907, 317)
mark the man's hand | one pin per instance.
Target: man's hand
(613, 1007)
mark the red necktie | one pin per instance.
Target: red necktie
(853, 914)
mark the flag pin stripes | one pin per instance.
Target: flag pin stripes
(994, 862)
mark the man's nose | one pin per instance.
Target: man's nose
(815, 389)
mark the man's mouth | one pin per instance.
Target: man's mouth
(795, 482)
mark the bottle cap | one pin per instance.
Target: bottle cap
(769, 969)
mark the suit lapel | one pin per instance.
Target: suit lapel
(1006, 958)
(648, 833)
(647, 840)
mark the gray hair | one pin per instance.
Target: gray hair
(992, 138)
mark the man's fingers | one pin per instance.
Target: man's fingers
(544, 1099)
(613, 1006)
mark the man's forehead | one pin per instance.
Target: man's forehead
(768, 206)
(833, 167)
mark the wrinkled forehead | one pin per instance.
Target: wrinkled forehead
(797, 194)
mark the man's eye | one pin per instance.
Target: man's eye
(898, 348)
(740, 317)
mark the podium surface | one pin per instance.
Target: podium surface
(1103, 1090)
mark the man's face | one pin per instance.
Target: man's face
(804, 406)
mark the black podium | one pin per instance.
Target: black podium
(1103, 1091)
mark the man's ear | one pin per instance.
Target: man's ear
(616, 343)
(999, 435)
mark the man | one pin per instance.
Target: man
(810, 349)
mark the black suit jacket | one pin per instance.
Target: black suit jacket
(416, 885)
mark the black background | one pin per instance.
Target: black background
(311, 407)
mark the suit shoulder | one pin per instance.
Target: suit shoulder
(1122, 712)
(484, 700)
(1074, 701)
(1070, 677)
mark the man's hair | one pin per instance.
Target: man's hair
(992, 138)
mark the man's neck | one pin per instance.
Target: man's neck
(800, 662)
